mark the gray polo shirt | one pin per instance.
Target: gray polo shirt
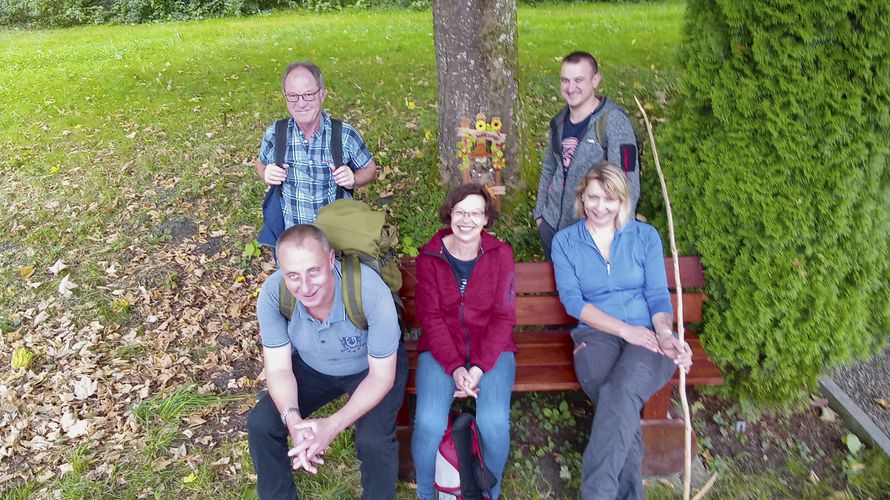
(334, 346)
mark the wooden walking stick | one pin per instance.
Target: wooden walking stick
(687, 441)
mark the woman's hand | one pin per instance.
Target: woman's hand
(464, 383)
(640, 336)
(671, 347)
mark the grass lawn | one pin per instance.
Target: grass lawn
(128, 198)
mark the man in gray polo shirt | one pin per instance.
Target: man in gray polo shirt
(318, 356)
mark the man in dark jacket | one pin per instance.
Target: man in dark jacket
(590, 129)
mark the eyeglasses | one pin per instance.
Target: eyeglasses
(308, 97)
(460, 214)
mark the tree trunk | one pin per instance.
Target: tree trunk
(477, 72)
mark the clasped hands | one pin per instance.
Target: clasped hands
(466, 382)
(274, 175)
(311, 438)
(662, 342)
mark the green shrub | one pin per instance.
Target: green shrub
(777, 158)
(65, 13)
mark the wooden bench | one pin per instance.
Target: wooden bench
(544, 360)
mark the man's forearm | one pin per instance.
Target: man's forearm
(365, 176)
(282, 389)
(259, 169)
(367, 395)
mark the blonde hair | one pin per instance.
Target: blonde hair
(614, 183)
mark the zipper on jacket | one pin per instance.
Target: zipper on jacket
(463, 325)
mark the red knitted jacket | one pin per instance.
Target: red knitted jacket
(477, 327)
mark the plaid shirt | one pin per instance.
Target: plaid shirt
(310, 181)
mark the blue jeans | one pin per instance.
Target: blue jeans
(618, 378)
(375, 432)
(435, 393)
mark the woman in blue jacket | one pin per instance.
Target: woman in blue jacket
(610, 275)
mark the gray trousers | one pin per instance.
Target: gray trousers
(618, 378)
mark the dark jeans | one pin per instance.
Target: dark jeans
(618, 378)
(546, 232)
(375, 433)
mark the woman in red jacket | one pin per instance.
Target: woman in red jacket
(466, 302)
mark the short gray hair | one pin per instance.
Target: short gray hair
(296, 236)
(308, 66)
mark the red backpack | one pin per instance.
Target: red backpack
(460, 468)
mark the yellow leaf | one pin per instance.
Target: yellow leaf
(410, 104)
(190, 478)
(239, 279)
(22, 357)
(26, 272)
(633, 42)
(427, 135)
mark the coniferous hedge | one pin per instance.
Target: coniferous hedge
(777, 160)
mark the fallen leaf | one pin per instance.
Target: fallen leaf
(84, 388)
(814, 478)
(410, 104)
(190, 478)
(883, 402)
(828, 415)
(26, 272)
(111, 270)
(65, 287)
(57, 267)
(819, 402)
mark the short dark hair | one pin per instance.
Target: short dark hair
(580, 55)
(296, 236)
(308, 66)
(458, 194)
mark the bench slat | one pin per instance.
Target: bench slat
(537, 277)
(536, 310)
(544, 362)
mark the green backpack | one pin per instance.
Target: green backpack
(359, 235)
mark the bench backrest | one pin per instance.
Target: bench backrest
(537, 303)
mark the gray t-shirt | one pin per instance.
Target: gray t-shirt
(336, 346)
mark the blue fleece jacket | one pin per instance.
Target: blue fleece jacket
(631, 287)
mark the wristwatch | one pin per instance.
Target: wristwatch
(288, 411)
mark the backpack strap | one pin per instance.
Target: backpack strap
(599, 128)
(281, 141)
(286, 301)
(351, 282)
(337, 151)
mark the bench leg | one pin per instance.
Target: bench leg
(657, 406)
(404, 428)
(663, 449)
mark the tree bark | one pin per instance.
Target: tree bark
(477, 72)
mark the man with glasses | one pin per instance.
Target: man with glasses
(317, 356)
(589, 129)
(311, 180)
